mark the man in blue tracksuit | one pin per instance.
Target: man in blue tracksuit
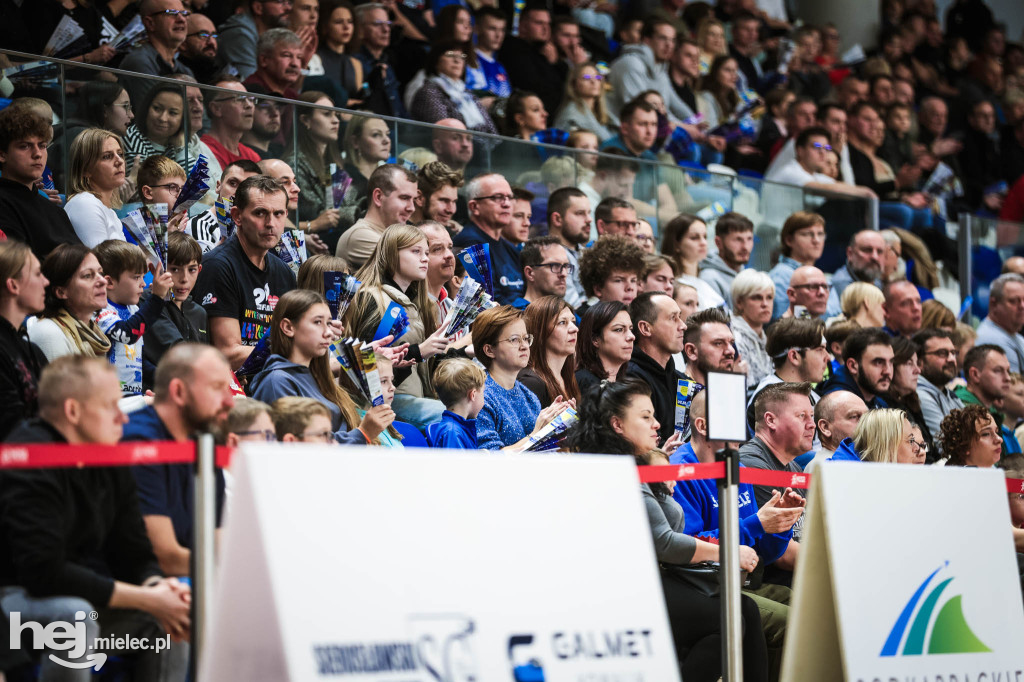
(768, 530)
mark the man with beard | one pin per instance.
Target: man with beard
(266, 126)
(709, 345)
(902, 308)
(230, 118)
(988, 381)
(546, 269)
(864, 258)
(807, 293)
(437, 195)
(239, 284)
(199, 51)
(936, 356)
(659, 329)
(192, 388)
(1005, 318)
(569, 223)
(490, 211)
(734, 238)
(240, 33)
(867, 369)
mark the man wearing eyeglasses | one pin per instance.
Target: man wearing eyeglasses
(199, 51)
(374, 25)
(808, 293)
(490, 211)
(807, 170)
(936, 356)
(166, 23)
(240, 33)
(546, 269)
(231, 116)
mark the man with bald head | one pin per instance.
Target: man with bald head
(902, 308)
(166, 30)
(808, 291)
(283, 173)
(1014, 264)
(454, 149)
(836, 416)
(230, 118)
(490, 211)
(199, 51)
(864, 257)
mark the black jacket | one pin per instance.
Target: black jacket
(664, 381)
(529, 70)
(27, 217)
(70, 531)
(21, 362)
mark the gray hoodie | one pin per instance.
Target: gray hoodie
(634, 72)
(715, 272)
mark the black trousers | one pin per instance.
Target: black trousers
(696, 624)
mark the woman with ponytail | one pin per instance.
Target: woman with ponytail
(300, 339)
(618, 418)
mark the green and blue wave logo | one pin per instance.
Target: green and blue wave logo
(950, 633)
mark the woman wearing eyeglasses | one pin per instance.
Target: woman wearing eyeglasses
(885, 436)
(551, 371)
(300, 339)
(102, 105)
(585, 107)
(511, 412)
(444, 94)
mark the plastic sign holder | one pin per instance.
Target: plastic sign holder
(896, 581)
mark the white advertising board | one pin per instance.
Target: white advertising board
(364, 564)
(906, 573)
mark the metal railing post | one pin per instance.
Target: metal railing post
(729, 572)
(205, 523)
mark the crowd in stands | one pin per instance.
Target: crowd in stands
(613, 278)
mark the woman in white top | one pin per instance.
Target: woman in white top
(97, 172)
(75, 293)
(685, 241)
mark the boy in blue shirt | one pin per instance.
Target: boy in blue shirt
(459, 384)
(125, 319)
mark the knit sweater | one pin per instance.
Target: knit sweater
(508, 415)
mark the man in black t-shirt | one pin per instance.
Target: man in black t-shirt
(240, 282)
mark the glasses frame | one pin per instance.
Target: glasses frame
(497, 198)
(518, 340)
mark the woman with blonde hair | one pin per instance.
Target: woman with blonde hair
(311, 272)
(396, 274)
(96, 174)
(934, 315)
(711, 41)
(584, 106)
(861, 302)
(885, 436)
